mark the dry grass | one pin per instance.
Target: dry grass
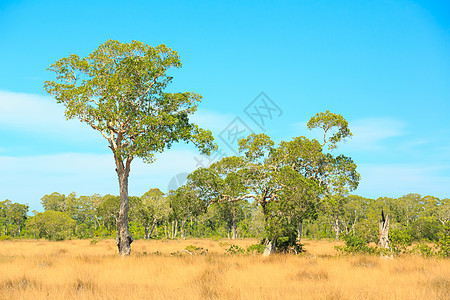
(75, 269)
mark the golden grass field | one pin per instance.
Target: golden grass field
(38, 269)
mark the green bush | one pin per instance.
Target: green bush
(196, 250)
(235, 249)
(423, 250)
(255, 249)
(355, 244)
(444, 242)
(400, 239)
(5, 238)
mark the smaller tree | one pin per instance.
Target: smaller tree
(152, 208)
(52, 225)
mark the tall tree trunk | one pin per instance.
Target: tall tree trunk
(299, 231)
(183, 229)
(153, 227)
(146, 228)
(336, 226)
(234, 226)
(124, 238)
(165, 229)
(176, 229)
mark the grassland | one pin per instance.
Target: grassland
(31, 269)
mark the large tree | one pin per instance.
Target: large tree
(119, 90)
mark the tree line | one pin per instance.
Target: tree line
(156, 215)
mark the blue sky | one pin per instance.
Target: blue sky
(383, 65)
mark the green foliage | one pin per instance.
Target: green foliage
(356, 244)
(444, 242)
(5, 238)
(400, 239)
(255, 249)
(12, 218)
(328, 121)
(52, 225)
(196, 250)
(119, 90)
(234, 250)
(426, 229)
(423, 250)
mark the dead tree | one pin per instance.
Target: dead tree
(386, 250)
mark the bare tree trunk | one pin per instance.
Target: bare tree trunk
(384, 236)
(269, 247)
(153, 227)
(299, 231)
(175, 229)
(146, 229)
(234, 229)
(124, 237)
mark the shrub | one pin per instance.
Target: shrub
(400, 239)
(423, 250)
(444, 242)
(196, 250)
(235, 249)
(255, 249)
(355, 244)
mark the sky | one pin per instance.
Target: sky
(261, 66)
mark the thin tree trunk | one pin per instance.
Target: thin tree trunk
(124, 237)
(176, 228)
(165, 229)
(153, 227)
(146, 229)
(336, 226)
(299, 231)
(234, 226)
(234, 230)
(183, 229)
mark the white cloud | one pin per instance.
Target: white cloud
(41, 116)
(29, 112)
(370, 134)
(27, 179)
(212, 120)
(395, 180)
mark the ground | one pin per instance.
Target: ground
(85, 269)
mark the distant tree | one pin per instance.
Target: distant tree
(152, 208)
(443, 211)
(52, 225)
(119, 90)
(55, 201)
(13, 217)
(107, 211)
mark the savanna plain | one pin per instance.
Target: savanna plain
(160, 269)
